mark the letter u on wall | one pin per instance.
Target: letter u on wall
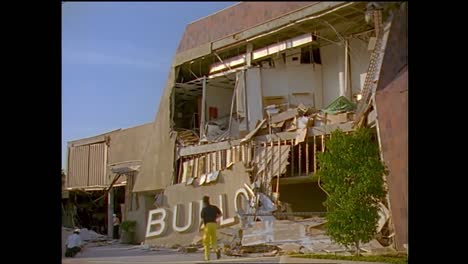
(177, 216)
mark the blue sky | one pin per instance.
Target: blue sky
(115, 61)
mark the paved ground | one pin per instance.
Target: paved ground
(117, 254)
(125, 254)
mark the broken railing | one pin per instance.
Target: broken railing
(288, 154)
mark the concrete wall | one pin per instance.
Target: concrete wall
(229, 181)
(333, 62)
(284, 80)
(220, 98)
(359, 61)
(129, 144)
(124, 145)
(140, 215)
(254, 96)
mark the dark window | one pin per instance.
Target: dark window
(310, 55)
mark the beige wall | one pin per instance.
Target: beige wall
(359, 61)
(158, 159)
(140, 215)
(228, 183)
(129, 144)
(333, 62)
(285, 80)
(220, 98)
(89, 158)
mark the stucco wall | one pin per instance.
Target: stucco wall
(140, 215)
(129, 144)
(286, 80)
(333, 62)
(228, 183)
(220, 98)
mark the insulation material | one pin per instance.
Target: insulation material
(259, 158)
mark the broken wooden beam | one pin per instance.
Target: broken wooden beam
(313, 131)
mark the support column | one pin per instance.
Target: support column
(346, 69)
(246, 107)
(203, 107)
(110, 213)
(249, 54)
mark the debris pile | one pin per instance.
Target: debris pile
(187, 249)
(339, 111)
(90, 235)
(293, 237)
(187, 138)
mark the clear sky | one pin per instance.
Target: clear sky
(115, 61)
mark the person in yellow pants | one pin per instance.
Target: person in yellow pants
(209, 215)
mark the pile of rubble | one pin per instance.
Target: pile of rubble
(187, 138)
(280, 237)
(85, 234)
(339, 111)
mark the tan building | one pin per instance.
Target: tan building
(253, 93)
(101, 172)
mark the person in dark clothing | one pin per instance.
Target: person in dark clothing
(209, 215)
(116, 223)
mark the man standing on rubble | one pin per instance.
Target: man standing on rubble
(74, 244)
(209, 216)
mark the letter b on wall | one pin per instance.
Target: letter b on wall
(159, 221)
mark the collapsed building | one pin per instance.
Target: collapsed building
(100, 176)
(253, 94)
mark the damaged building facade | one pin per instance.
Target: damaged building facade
(100, 175)
(253, 94)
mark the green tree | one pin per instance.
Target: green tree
(352, 174)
